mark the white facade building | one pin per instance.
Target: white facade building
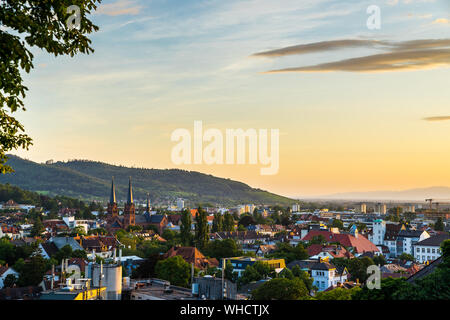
(396, 237)
(430, 248)
(180, 204)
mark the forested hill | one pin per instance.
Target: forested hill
(91, 180)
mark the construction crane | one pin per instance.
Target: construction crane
(437, 203)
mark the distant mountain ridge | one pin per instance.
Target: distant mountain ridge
(416, 194)
(91, 180)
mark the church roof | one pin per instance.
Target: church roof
(112, 197)
(130, 193)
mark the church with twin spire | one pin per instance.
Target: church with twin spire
(116, 221)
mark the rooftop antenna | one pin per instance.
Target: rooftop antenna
(53, 276)
(62, 271)
(100, 280)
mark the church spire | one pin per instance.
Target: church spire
(112, 198)
(130, 193)
(148, 203)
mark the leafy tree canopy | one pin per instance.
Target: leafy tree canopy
(27, 24)
(281, 289)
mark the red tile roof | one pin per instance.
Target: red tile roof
(334, 250)
(191, 255)
(360, 243)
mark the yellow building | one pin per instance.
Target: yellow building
(240, 263)
(66, 294)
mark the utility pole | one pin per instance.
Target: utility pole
(192, 275)
(223, 277)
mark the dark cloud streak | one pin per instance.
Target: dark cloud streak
(401, 56)
(392, 61)
(439, 118)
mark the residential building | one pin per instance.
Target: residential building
(324, 273)
(429, 249)
(240, 263)
(316, 251)
(396, 237)
(356, 243)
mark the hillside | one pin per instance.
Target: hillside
(91, 180)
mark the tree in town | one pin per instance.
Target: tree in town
(229, 273)
(185, 228)
(390, 290)
(379, 260)
(10, 281)
(289, 252)
(175, 270)
(63, 253)
(228, 223)
(37, 228)
(406, 257)
(222, 249)
(79, 254)
(281, 289)
(217, 225)
(303, 276)
(337, 224)
(32, 272)
(258, 217)
(439, 225)
(337, 294)
(201, 229)
(258, 271)
(246, 220)
(147, 268)
(52, 26)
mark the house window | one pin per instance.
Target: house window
(428, 250)
(432, 250)
(423, 250)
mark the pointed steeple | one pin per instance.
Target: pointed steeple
(148, 203)
(130, 193)
(112, 198)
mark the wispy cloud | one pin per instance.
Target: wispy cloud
(441, 21)
(402, 56)
(120, 7)
(396, 2)
(439, 118)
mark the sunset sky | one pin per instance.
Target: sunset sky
(357, 109)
